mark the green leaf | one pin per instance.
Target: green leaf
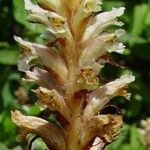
(6, 95)
(109, 4)
(8, 129)
(4, 44)
(39, 144)
(17, 148)
(135, 140)
(133, 39)
(32, 111)
(139, 17)
(134, 137)
(3, 147)
(120, 141)
(126, 147)
(20, 16)
(147, 20)
(8, 57)
(9, 126)
(19, 11)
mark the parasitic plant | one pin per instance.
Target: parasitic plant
(66, 70)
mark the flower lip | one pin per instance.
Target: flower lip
(50, 133)
(102, 21)
(54, 22)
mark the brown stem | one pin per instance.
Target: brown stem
(73, 130)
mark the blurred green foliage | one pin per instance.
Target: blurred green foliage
(136, 58)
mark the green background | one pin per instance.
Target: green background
(136, 58)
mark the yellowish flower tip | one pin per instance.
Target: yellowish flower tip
(14, 116)
(90, 6)
(88, 79)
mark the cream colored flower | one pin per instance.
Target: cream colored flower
(66, 70)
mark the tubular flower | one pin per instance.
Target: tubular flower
(66, 70)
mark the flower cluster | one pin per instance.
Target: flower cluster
(66, 69)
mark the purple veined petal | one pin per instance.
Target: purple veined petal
(43, 78)
(46, 56)
(100, 97)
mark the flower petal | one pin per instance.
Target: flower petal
(98, 144)
(52, 135)
(113, 87)
(53, 100)
(101, 22)
(100, 46)
(87, 79)
(100, 97)
(88, 131)
(54, 22)
(105, 127)
(46, 56)
(44, 79)
(86, 9)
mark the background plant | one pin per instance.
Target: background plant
(136, 58)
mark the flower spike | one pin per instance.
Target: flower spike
(66, 69)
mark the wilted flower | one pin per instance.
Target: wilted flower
(67, 73)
